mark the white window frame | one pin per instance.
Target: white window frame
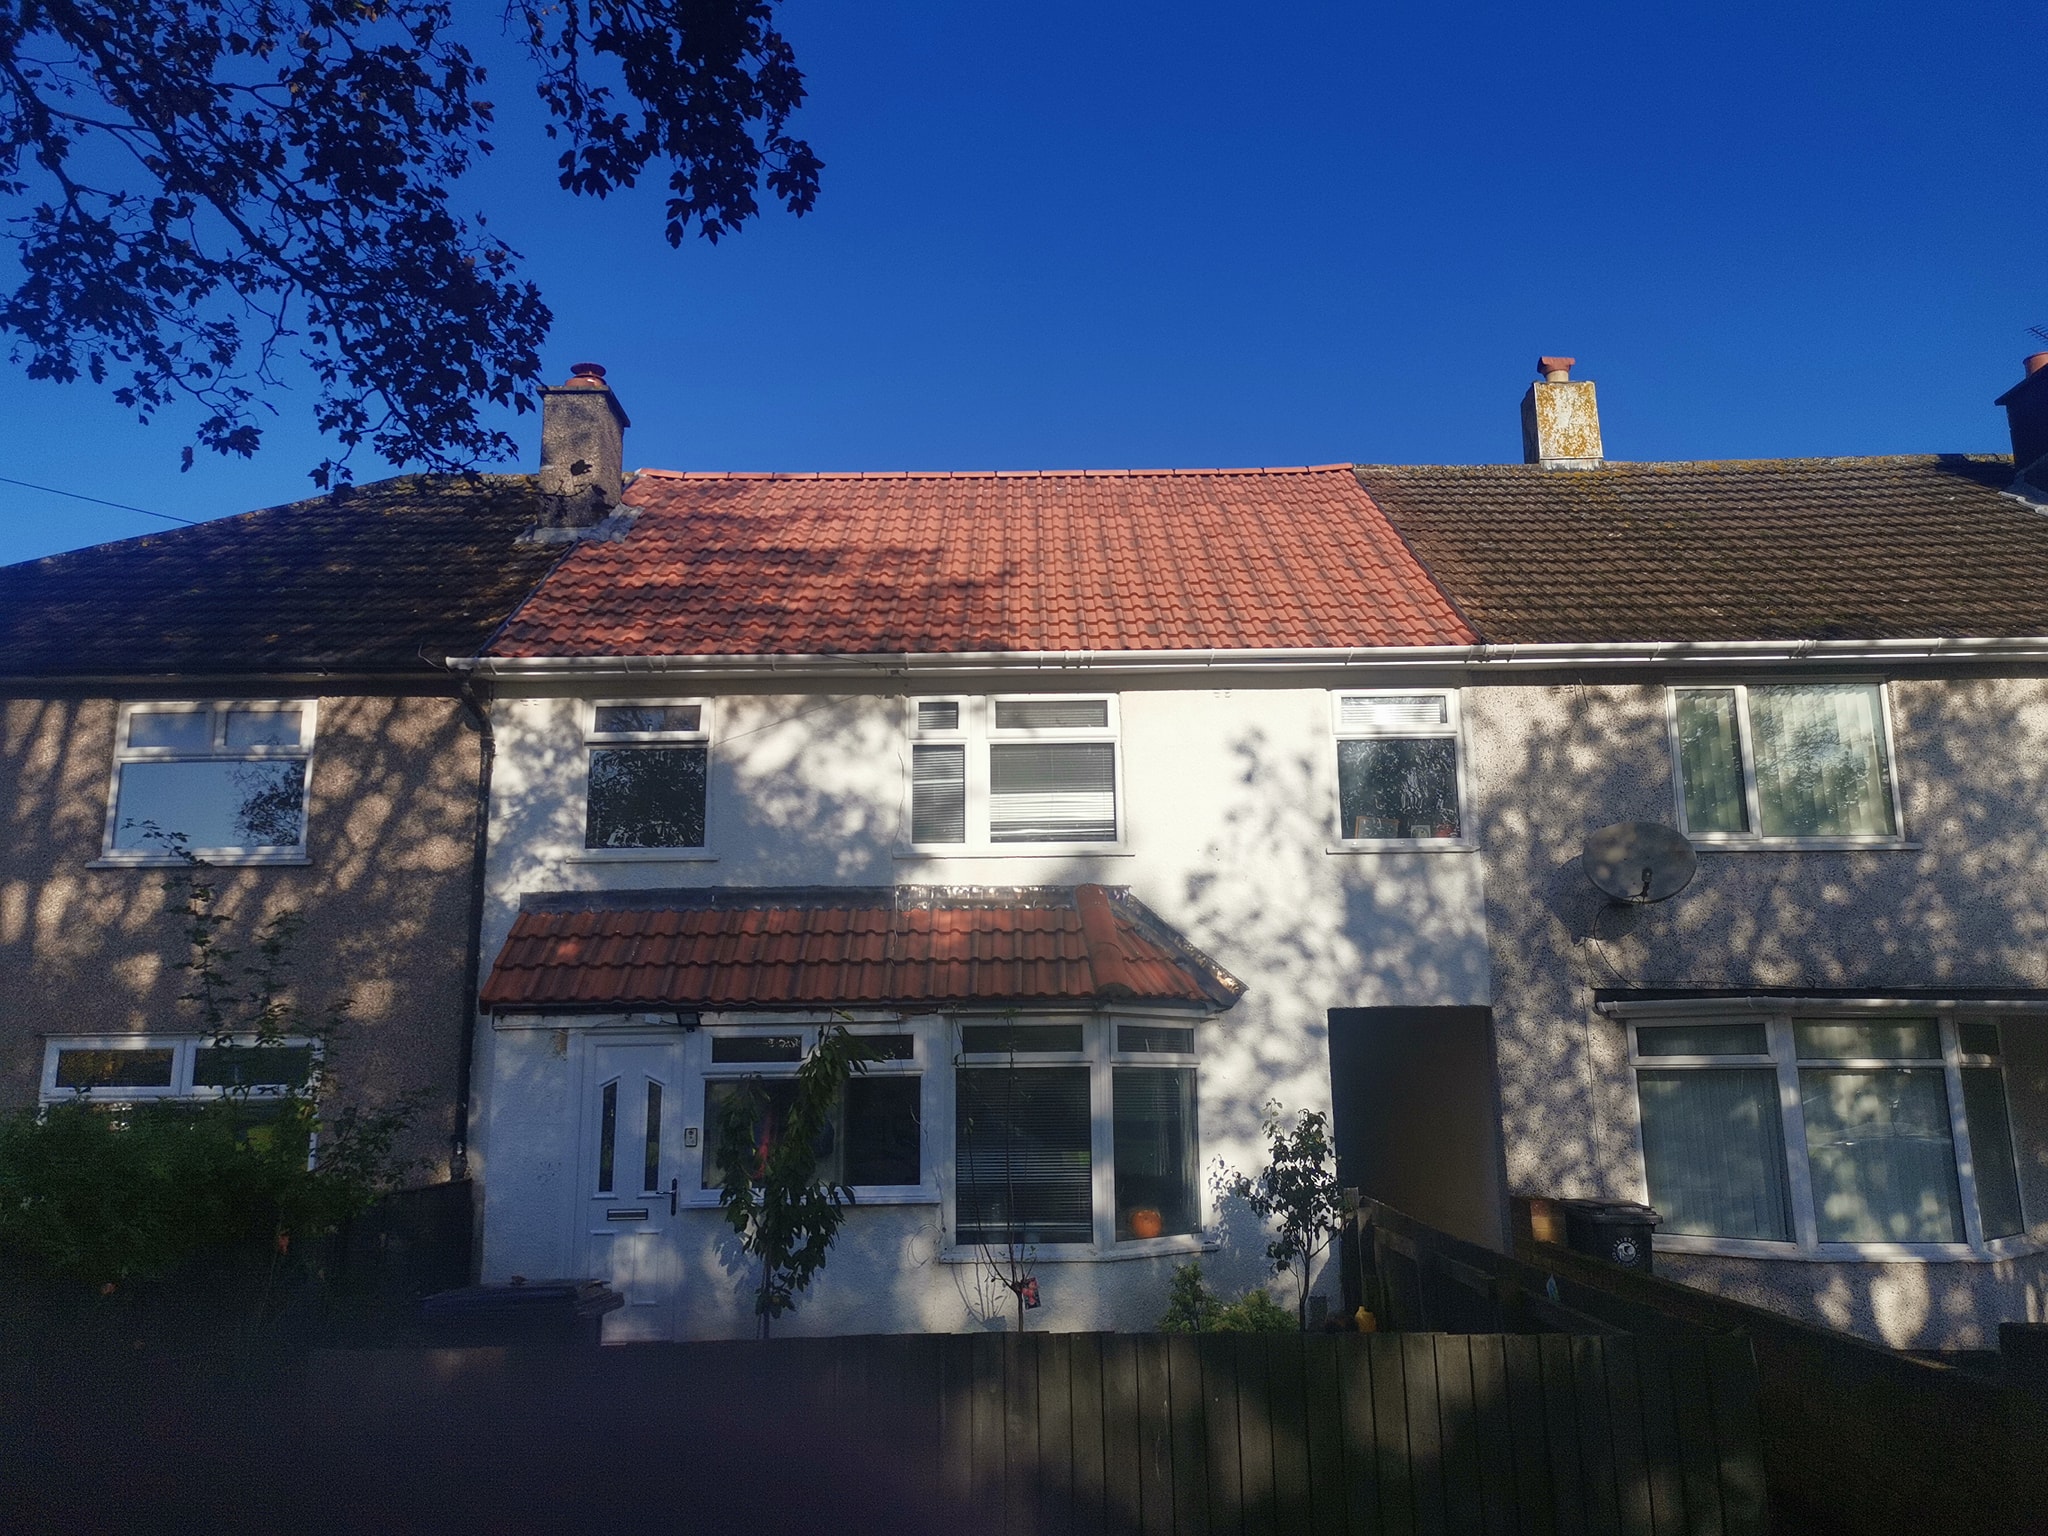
(1755, 837)
(594, 738)
(977, 732)
(1783, 1058)
(219, 752)
(699, 1070)
(1452, 727)
(1100, 1054)
(184, 1060)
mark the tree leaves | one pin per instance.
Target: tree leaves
(1297, 1190)
(771, 1149)
(204, 190)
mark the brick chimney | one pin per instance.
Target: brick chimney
(2026, 413)
(1560, 419)
(582, 449)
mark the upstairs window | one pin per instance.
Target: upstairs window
(649, 764)
(1397, 768)
(1791, 762)
(226, 779)
(1013, 770)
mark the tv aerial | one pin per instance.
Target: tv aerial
(1639, 862)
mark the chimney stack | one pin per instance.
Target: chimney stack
(582, 449)
(2026, 413)
(1560, 419)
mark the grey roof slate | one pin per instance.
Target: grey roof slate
(389, 578)
(1769, 549)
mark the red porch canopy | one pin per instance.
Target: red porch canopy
(735, 948)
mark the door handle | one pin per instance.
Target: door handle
(671, 1197)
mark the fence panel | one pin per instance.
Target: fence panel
(1086, 1432)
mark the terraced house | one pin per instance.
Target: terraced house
(1116, 805)
(270, 690)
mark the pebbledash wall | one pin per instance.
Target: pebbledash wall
(1963, 905)
(384, 891)
(1229, 800)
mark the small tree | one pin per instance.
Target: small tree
(770, 1153)
(1297, 1190)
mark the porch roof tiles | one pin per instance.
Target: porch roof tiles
(908, 945)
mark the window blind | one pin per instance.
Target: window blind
(938, 794)
(1052, 714)
(1023, 1155)
(938, 714)
(1064, 793)
(1369, 714)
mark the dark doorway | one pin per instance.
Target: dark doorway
(1417, 1115)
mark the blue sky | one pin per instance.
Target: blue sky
(1060, 235)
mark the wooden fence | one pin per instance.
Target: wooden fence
(1408, 1434)
(1855, 1438)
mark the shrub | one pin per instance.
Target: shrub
(1191, 1307)
(107, 1196)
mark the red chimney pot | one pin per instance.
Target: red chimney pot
(586, 370)
(2035, 363)
(1546, 366)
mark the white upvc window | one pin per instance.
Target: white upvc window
(1803, 764)
(648, 777)
(1400, 771)
(134, 1069)
(1014, 772)
(877, 1143)
(223, 779)
(1075, 1137)
(1867, 1134)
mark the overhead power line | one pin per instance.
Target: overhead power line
(98, 501)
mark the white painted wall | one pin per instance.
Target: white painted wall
(1229, 804)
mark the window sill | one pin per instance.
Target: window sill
(1805, 845)
(1848, 1253)
(640, 856)
(1392, 845)
(1017, 851)
(1089, 1253)
(219, 860)
(707, 1200)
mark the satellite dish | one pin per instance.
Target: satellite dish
(1639, 861)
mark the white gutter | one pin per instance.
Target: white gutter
(1721, 1007)
(1661, 653)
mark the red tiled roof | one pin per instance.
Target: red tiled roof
(1131, 560)
(901, 945)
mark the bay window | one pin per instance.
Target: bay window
(225, 781)
(1013, 771)
(1077, 1134)
(1793, 762)
(1828, 1134)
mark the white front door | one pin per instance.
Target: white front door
(632, 1159)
